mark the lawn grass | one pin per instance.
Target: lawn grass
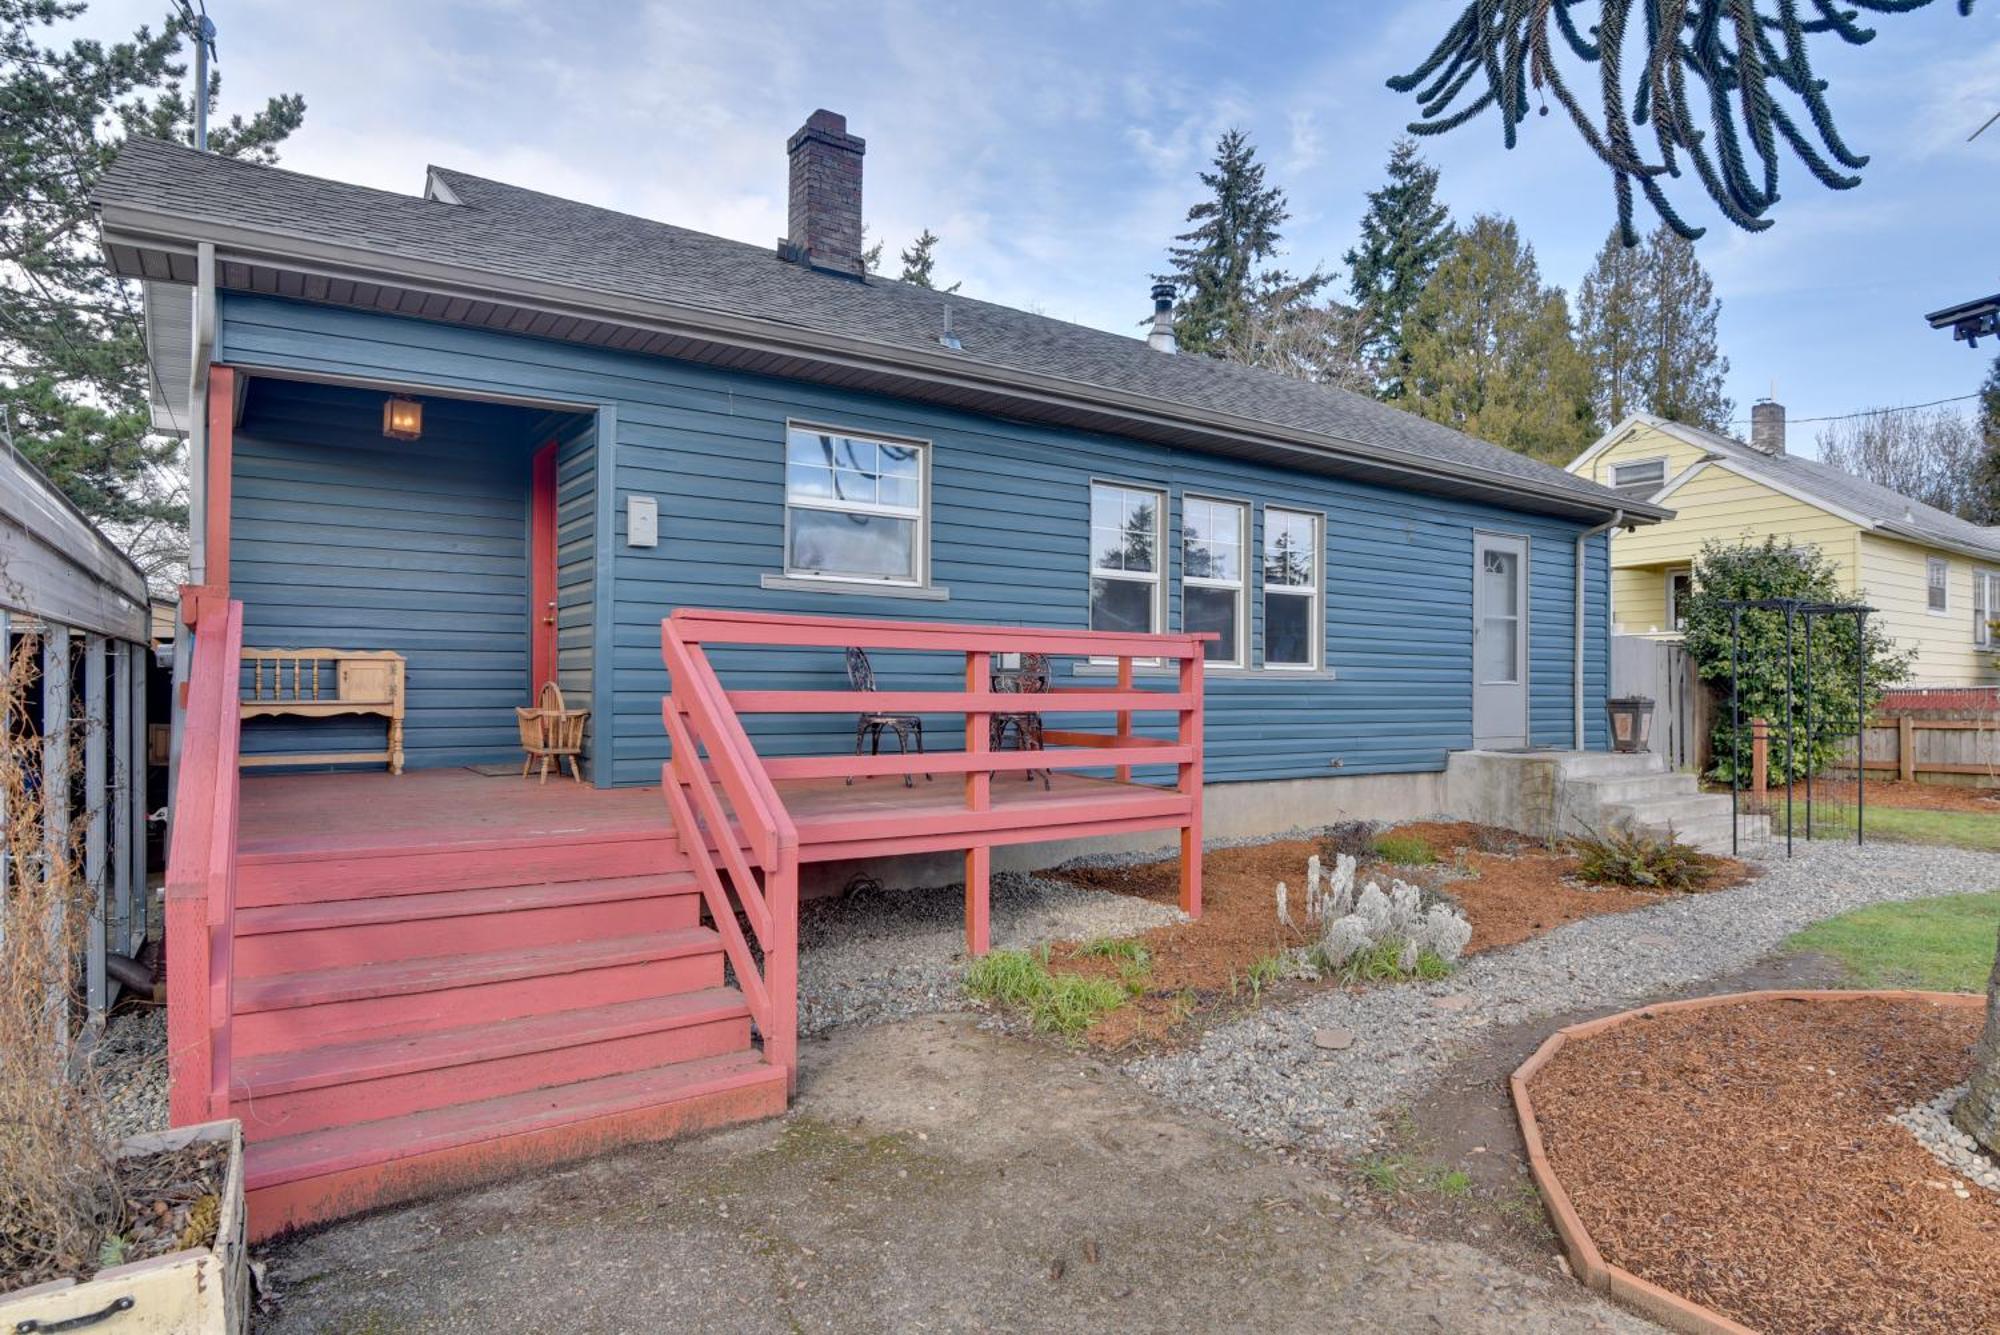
(1062, 1003)
(1961, 829)
(1942, 944)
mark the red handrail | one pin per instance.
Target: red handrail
(745, 854)
(201, 867)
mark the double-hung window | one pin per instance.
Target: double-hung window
(854, 507)
(1937, 584)
(1212, 580)
(1985, 606)
(1126, 556)
(1291, 589)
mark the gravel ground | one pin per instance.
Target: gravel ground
(879, 954)
(131, 1062)
(1265, 1076)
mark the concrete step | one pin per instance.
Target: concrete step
(1630, 788)
(1710, 834)
(1608, 764)
(298, 1180)
(1658, 812)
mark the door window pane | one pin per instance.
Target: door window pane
(1500, 650)
(1503, 592)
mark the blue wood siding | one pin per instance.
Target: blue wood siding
(1009, 539)
(343, 539)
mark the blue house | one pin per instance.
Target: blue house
(497, 437)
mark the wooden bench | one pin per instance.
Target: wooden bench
(325, 683)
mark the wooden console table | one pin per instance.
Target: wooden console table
(324, 683)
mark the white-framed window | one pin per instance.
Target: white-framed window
(1639, 477)
(1292, 557)
(1680, 584)
(1212, 579)
(1985, 606)
(855, 506)
(1937, 584)
(1126, 557)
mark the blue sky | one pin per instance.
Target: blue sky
(1055, 146)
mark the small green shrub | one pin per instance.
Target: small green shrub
(1384, 964)
(1649, 861)
(1114, 948)
(1056, 1003)
(1404, 850)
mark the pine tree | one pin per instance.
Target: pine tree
(1646, 320)
(920, 263)
(1405, 234)
(1613, 321)
(1217, 263)
(1688, 365)
(74, 378)
(1491, 351)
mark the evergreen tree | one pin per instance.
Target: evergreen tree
(74, 378)
(920, 263)
(1491, 351)
(1688, 365)
(1984, 506)
(1646, 320)
(1405, 234)
(1613, 321)
(1223, 290)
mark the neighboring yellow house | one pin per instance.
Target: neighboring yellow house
(1934, 577)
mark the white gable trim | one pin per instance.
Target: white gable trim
(1606, 441)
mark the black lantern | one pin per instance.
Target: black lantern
(1631, 722)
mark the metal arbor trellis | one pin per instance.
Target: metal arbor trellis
(1806, 613)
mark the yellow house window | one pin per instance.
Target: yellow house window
(1937, 580)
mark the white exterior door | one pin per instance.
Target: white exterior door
(1499, 641)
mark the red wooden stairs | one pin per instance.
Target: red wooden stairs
(398, 1027)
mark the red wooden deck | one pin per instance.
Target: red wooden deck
(405, 982)
(293, 815)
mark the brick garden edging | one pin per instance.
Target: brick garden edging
(1669, 1309)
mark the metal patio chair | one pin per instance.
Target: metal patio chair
(868, 728)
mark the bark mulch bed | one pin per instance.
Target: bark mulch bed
(1888, 793)
(1510, 888)
(1741, 1156)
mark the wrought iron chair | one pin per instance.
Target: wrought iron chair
(1032, 678)
(868, 728)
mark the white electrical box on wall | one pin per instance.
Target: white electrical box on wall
(642, 521)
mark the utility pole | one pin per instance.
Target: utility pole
(204, 48)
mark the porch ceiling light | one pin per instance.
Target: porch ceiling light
(402, 418)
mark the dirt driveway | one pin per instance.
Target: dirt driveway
(932, 1177)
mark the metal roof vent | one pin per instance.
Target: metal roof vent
(1161, 338)
(949, 338)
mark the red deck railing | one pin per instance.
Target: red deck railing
(749, 864)
(201, 867)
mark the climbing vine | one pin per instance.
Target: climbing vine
(1723, 86)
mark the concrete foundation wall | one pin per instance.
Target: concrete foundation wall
(1229, 811)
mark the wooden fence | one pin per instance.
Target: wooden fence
(1662, 671)
(1946, 750)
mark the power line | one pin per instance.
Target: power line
(1866, 412)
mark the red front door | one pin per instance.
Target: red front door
(542, 570)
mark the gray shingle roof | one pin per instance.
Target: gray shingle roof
(1844, 491)
(507, 230)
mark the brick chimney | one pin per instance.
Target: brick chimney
(826, 195)
(1767, 426)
